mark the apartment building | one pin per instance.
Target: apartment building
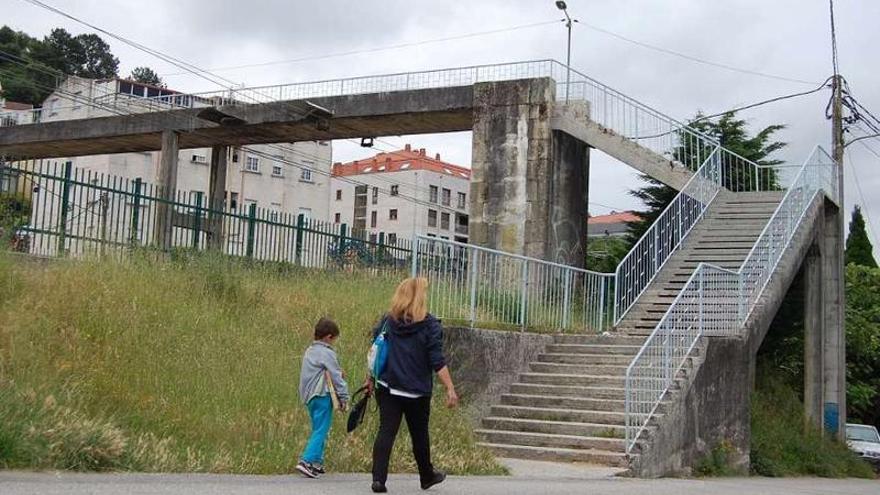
(400, 194)
(287, 177)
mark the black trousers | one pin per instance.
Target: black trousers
(417, 412)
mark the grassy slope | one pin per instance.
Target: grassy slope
(184, 367)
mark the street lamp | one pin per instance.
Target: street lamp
(564, 8)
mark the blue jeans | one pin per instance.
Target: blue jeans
(321, 412)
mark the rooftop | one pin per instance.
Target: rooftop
(614, 217)
(397, 161)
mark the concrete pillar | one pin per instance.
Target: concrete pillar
(528, 183)
(834, 341)
(216, 195)
(813, 333)
(166, 179)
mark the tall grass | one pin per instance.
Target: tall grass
(784, 445)
(185, 366)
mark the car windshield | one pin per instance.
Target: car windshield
(862, 434)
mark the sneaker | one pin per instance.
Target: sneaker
(379, 487)
(438, 478)
(319, 468)
(307, 470)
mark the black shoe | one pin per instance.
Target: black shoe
(379, 487)
(438, 478)
(307, 470)
(318, 468)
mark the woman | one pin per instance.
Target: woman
(403, 388)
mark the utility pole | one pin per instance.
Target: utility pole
(564, 8)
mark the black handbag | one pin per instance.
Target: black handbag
(359, 409)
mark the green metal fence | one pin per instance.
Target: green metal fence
(80, 213)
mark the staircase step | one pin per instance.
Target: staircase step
(603, 339)
(549, 401)
(593, 349)
(557, 454)
(618, 359)
(576, 380)
(568, 391)
(554, 427)
(527, 439)
(578, 369)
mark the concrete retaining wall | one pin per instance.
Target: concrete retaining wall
(484, 363)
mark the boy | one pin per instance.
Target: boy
(318, 365)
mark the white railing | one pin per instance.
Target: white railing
(716, 301)
(485, 287)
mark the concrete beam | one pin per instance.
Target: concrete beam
(380, 114)
(217, 195)
(834, 337)
(813, 331)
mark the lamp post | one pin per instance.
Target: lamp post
(564, 8)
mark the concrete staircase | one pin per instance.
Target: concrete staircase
(570, 405)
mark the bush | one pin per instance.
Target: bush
(783, 444)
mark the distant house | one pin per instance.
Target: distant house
(613, 224)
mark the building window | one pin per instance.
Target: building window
(392, 214)
(392, 239)
(339, 195)
(252, 164)
(433, 194)
(373, 238)
(432, 218)
(195, 198)
(447, 197)
(394, 190)
(462, 200)
(375, 195)
(337, 218)
(200, 159)
(444, 221)
(277, 171)
(306, 175)
(373, 216)
(235, 157)
(306, 212)
(233, 201)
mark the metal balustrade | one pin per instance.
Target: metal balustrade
(489, 288)
(716, 301)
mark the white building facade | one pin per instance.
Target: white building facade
(400, 194)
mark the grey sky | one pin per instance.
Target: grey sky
(784, 37)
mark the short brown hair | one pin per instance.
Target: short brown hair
(325, 327)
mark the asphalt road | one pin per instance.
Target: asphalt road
(21, 483)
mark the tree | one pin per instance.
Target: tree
(863, 343)
(858, 246)
(23, 81)
(146, 75)
(733, 135)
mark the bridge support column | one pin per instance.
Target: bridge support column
(529, 183)
(216, 196)
(824, 337)
(167, 181)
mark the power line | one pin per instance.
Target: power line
(374, 49)
(693, 58)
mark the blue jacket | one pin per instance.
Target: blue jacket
(415, 353)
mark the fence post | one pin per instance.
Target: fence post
(300, 232)
(65, 199)
(252, 229)
(524, 297)
(566, 300)
(603, 288)
(474, 271)
(414, 270)
(136, 210)
(197, 220)
(380, 250)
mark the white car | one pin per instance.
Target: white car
(864, 441)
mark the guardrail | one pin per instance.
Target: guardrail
(716, 301)
(492, 288)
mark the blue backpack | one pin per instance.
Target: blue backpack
(378, 355)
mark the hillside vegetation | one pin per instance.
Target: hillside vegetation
(185, 366)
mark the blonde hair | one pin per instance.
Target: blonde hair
(410, 301)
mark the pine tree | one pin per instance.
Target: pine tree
(858, 247)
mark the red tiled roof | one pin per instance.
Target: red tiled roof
(396, 161)
(13, 105)
(624, 216)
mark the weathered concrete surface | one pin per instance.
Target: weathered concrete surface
(671, 173)
(711, 411)
(485, 362)
(529, 184)
(379, 114)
